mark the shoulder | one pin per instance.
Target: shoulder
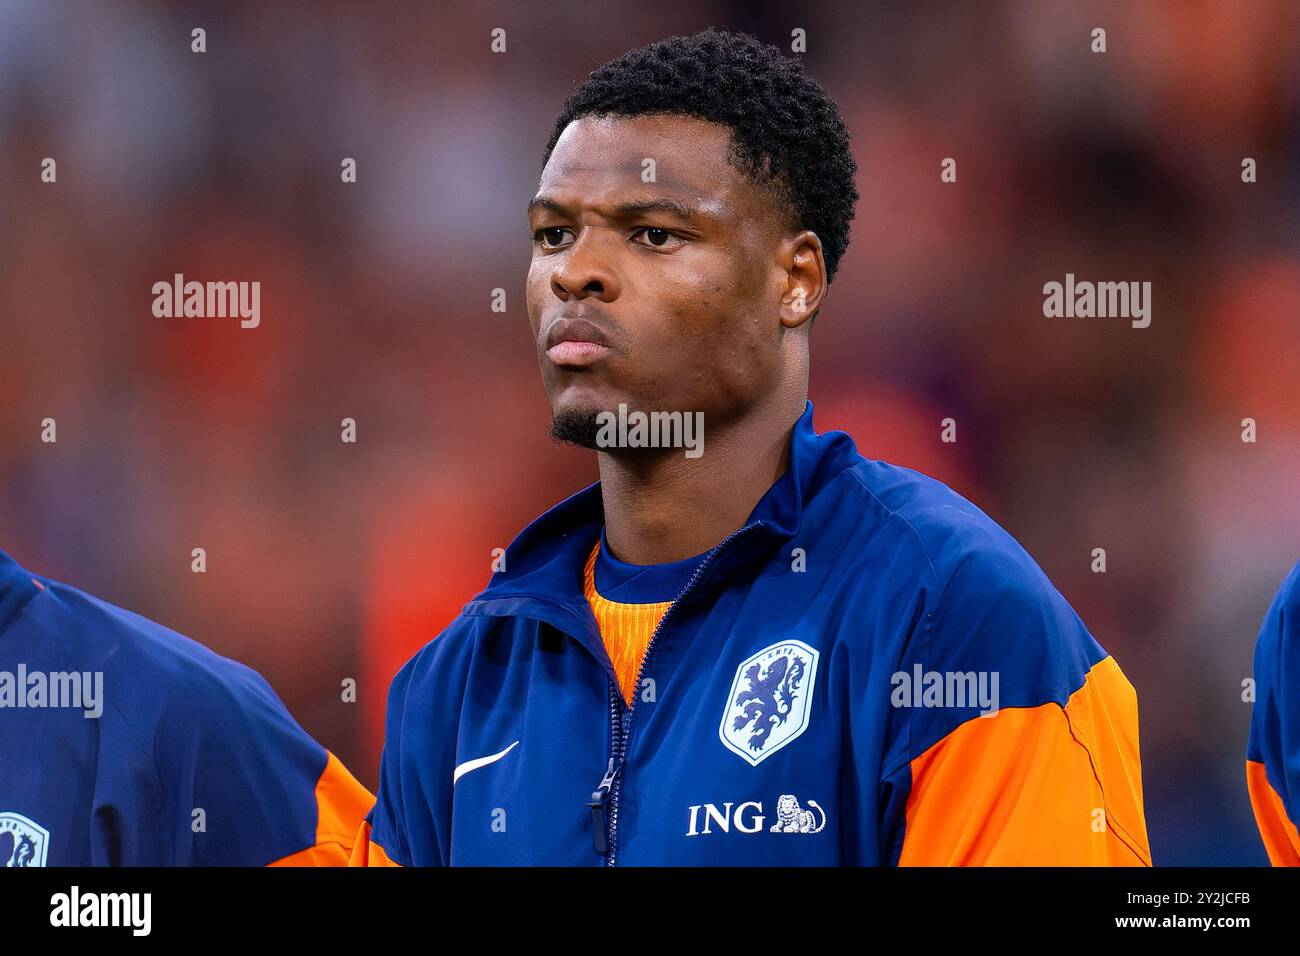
(1280, 630)
(1277, 646)
(953, 547)
(213, 731)
(171, 691)
(196, 674)
(435, 675)
(1276, 667)
(982, 602)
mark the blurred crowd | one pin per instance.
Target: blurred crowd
(328, 560)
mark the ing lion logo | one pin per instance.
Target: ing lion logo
(769, 701)
(792, 818)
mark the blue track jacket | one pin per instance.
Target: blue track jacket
(869, 672)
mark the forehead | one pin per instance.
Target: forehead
(599, 157)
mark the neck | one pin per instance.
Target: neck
(666, 507)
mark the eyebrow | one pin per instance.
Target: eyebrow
(630, 210)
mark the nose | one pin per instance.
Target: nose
(585, 269)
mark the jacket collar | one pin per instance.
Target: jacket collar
(543, 565)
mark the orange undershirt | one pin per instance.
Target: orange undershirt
(625, 629)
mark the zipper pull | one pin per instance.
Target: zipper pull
(597, 804)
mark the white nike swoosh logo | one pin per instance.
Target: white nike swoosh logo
(477, 762)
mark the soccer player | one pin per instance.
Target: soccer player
(1273, 750)
(124, 743)
(762, 648)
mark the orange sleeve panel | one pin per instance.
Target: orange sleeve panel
(1035, 786)
(341, 807)
(366, 852)
(1278, 832)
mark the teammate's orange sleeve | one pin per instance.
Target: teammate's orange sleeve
(1276, 829)
(341, 804)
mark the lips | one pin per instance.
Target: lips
(575, 342)
(576, 353)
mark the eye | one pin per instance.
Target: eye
(549, 237)
(659, 238)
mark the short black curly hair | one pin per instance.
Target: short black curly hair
(787, 133)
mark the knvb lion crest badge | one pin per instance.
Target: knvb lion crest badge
(23, 842)
(770, 700)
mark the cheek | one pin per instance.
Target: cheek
(713, 346)
(730, 323)
(535, 286)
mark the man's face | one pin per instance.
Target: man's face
(664, 295)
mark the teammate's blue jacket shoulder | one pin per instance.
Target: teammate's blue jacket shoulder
(1274, 738)
(193, 758)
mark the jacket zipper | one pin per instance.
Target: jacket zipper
(602, 826)
(621, 722)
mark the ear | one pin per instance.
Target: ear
(805, 278)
